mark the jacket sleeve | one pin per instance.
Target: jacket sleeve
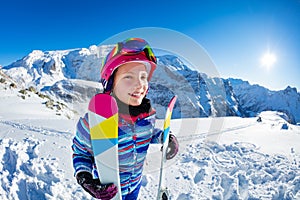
(156, 133)
(83, 159)
(157, 136)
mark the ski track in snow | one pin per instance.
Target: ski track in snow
(203, 135)
(40, 130)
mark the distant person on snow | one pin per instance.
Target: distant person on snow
(125, 74)
(259, 119)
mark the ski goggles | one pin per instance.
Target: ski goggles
(131, 46)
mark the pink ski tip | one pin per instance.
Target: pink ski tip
(103, 105)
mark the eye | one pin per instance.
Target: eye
(144, 76)
(128, 77)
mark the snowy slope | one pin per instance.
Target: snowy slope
(219, 158)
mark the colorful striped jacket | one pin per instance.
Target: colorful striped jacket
(134, 139)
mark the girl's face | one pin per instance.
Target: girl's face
(130, 83)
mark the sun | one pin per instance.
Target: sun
(268, 60)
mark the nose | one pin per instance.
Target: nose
(139, 83)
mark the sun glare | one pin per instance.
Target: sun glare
(268, 60)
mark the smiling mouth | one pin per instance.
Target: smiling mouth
(136, 95)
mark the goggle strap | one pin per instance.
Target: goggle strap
(120, 47)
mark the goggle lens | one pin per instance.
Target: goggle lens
(132, 46)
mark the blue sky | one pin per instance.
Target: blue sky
(235, 34)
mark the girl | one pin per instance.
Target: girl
(126, 72)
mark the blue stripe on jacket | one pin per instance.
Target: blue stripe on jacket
(133, 143)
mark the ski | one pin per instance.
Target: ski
(163, 193)
(103, 121)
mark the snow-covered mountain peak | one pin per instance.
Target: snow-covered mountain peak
(43, 69)
(35, 53)
(173, 62)
(254, 99)
(290, 90)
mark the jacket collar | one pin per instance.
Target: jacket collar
(131, 114)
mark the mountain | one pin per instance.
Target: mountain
(198, 94)
(71, 77)
(254, 99)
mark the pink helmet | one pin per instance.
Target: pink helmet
(130, 50)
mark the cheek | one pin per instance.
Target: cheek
(146, 86)
(124, 85)
(120, 92)
(119, 87)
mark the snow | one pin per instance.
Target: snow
(219, 158)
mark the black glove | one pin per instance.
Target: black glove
(173, 147)
(95, 188)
